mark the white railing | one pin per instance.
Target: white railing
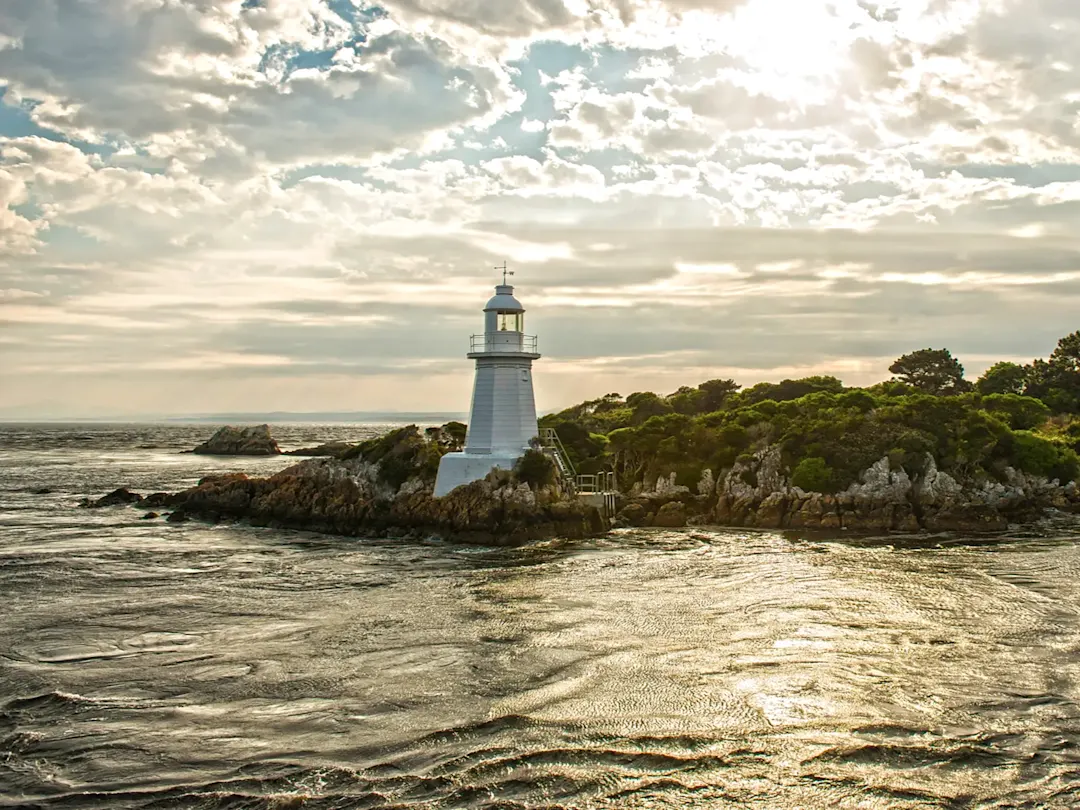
(585, 484)
(600, 482)
(497, 342)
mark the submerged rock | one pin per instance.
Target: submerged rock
(118, 497)
(240, 441)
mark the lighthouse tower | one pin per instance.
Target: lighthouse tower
(502, 419)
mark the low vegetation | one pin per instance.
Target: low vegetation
(1022, 416)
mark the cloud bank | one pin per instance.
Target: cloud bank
(212, 205)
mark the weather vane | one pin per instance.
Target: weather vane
(505, 272)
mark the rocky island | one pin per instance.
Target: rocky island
(240, 441)
(925, 452)
(384, 487)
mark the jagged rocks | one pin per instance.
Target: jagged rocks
(757, 493)
(354, 497)
(243, 441)
(664, 487)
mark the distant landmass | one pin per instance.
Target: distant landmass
(363, 417)
(378, 417)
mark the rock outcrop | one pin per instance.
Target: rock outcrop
(385, 487)
(240, 441)
(758, 494)
(330, 449)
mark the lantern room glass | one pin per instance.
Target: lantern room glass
(510, 322)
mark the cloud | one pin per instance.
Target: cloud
(217, 81)
(217, 204)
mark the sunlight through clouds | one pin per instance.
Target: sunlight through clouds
(686, 189)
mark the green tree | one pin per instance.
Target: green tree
(686, 400)
(1057, 381)
(715, 393)
(1066, 357)
(1003, 378)
(1021, 413)
(787, 390)
(582, 446)
(1038, 456)
(934, 371)
(646, 405)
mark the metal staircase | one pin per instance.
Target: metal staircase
(553, 449)
(601, 485)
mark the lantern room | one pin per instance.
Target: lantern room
(503, 312)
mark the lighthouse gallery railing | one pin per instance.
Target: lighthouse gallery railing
(493, 342)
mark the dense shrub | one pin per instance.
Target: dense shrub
(813, 475)
(1038, 456)
(535, 469)
(400, 454)
(1020, 413)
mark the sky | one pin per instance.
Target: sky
(297, 205)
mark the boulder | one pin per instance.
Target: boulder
(150, 516)
(670, 516)
(633, 514)
(240, 441)
(772, 511)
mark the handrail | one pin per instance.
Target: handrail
(551, 439)
(489, 342)
(596, 482)
(587, 483)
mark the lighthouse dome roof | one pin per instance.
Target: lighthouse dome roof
(504, 300)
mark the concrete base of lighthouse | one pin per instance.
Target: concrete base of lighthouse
(457, 469)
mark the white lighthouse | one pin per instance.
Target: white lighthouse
(502, 420)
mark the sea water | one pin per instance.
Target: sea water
(153, 665)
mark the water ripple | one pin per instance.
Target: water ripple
(151, 665)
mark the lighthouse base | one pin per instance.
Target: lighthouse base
(457, 469)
